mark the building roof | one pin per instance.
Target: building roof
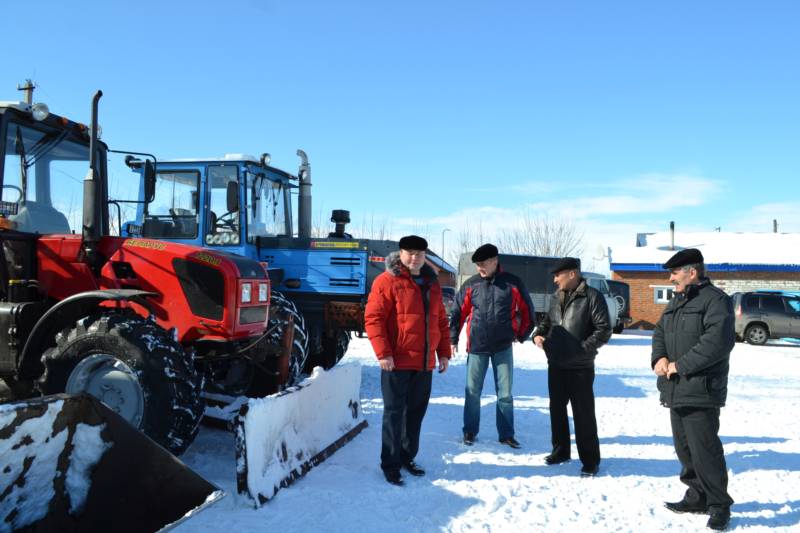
(723, 252)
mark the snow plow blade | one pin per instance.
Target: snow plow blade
(70, 464)
(281, 437)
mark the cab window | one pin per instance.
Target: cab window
(173, 212)
(223, 223)
(266, 207)
(42, 180)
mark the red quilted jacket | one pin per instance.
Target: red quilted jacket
(395, 318)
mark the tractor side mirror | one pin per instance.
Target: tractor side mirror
(233, 197)
(149, 173)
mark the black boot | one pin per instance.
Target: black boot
(469, 439)
(394, 477)
(720, 518)
(554, 459)
(684, 506)
(414, 469)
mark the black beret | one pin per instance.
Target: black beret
(689, 256)
(413, 242)
(484, 252)
(566, 263)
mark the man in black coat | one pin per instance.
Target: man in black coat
(692, 343)
(576, 326)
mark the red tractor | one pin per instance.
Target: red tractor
(140, 324)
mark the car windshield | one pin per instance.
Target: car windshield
(43, 176)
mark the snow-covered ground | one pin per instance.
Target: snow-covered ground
(490, 487)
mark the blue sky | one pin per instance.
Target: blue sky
(620, 116)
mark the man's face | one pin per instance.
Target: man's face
(487, 267)
(412, 259)
(566, 279)
(682, 278)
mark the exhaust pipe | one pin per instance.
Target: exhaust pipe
(304, 202)
(672, 235)
(91, 210)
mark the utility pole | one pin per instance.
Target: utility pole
(28, 90)
(443, 257)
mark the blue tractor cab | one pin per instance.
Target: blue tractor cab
(241, 205)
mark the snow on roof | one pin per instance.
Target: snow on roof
(718, 248)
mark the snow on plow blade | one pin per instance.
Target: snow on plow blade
(281, 437)
(70, 464)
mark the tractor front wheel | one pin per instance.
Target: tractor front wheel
(136, 368)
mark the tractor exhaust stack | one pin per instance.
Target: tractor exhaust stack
(304, 202)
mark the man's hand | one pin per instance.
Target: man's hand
(444, 362)
(538, 340)
(672, 369)
(387, 363)
(454, 349)
(661, 367)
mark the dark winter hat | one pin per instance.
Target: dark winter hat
(484, 252)
(413, 242)
(689, 256)
(566, 263)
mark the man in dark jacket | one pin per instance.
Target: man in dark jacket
(407, 326)
(497, 309)
(576, 326)
(692, 343)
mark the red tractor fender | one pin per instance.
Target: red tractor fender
(63, 315)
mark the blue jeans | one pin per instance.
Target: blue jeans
(503, 368)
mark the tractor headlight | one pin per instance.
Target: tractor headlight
(263, 292)
(247, 293)
(40, 111)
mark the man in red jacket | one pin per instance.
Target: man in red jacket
(407, 326)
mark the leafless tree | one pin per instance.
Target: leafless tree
(375, 229)
(542, 235)
(469, 238)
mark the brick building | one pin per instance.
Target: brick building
(735, 262)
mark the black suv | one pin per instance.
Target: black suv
(764, 315)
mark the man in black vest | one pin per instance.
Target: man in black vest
(575, 327)
(692, 343)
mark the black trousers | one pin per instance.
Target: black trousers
(405, 400)
(576, 386)
(695, 432)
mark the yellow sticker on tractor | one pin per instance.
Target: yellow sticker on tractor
(208, 258)
(335, 244)
(144, 243)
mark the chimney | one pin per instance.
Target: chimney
(671, 234)
(774, 225)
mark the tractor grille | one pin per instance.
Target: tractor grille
(203, 286)
(344, 282)
(347, 261)
(252, 315)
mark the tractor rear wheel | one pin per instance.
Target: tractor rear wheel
(334, 348)
(136, 368)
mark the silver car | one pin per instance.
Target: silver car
(764, 315)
